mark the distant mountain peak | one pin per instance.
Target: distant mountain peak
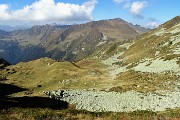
(9, 28)
(53, 24)
(119, 19)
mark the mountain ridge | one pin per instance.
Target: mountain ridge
(62, 43)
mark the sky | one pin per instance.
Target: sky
(147, 13)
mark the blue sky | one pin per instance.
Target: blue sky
(148, 13)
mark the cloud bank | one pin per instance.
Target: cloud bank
(48, 11)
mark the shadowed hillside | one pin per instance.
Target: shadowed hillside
(8, 89)
(3, 63)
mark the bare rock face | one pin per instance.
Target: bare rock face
(118, 102)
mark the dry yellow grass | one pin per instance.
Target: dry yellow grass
(144, 82)
(47, 74)
(148, 44)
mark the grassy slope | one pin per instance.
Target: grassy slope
(52, 75)
(161, 39)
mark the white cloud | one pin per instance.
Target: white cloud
(118, 1)
(4, 15)
(152, 24)
(137, 7)
(48, 11)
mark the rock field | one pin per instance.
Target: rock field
(118, 102)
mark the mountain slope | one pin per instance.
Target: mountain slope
(162, 42)
(150, 62)
(36, 35)
(154, 52)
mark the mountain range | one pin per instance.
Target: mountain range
(64, 42)
(12, 28)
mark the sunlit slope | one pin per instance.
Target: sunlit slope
(47, 74)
